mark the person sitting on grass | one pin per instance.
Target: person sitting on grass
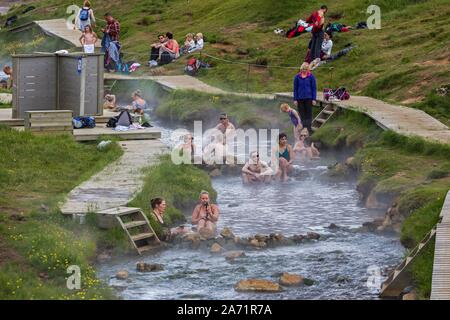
(199, 43)
(154, 51)
(88, 40)
(256, 170)
(295, 119)
(205, 214)
(189, 44)
(171, 47)
(282, 158)
(306, 148)
(158, 206)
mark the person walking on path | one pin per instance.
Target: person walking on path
(317, 19)
(305, 94)
(85, 17)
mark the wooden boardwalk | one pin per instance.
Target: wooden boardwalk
(440, 285)
(61, 29)
(400, 119)
(117, 184)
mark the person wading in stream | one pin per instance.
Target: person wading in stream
(256, 170)
(205, 214)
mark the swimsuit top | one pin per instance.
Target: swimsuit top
(294, 119)
(137, 105)
(285, 154)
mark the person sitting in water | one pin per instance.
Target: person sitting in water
(306, 148)
(159, 206)
(138, 101)
(217, 152)
(205, 214)
(295, 119)
(226, 127)
(186, 150)
(256, 170)
(110, 102)
(282, 157)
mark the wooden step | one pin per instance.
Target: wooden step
(134, 224)
(329, 112)
(321, 120)
(147, 248)
(142, 236)
(315, 128)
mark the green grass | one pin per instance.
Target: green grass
(410, 171)
(402, 62)
(36, 172)
(179, 185)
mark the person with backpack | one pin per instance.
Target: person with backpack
(85, 17)
(305, 93)
(317, 19)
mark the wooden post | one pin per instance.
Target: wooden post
(248, 75)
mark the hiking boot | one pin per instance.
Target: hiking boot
(348, 45)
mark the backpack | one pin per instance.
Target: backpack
(83, 122)
(84, 14)
(191, 67)
(339, 94)
(124, 119)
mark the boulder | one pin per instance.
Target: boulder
(313, 236)
(333, 226)
(257, 285)
(261, 238)
(257, 244)
(191, 237)
(227, 233)
(149, 267)
(215, 173)
(288, 279)
(122, 275)
(216, 248)
(308, 282)
(231, 255)
(297, 238)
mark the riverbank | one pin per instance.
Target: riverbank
(407, 177)
(37, 244)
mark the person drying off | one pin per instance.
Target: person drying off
(88, 40)
(205, 214)
(256, 170)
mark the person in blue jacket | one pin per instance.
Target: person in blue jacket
(305, 92)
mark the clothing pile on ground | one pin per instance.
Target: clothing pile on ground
(124, 121)
(194, 65)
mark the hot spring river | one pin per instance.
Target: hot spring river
(338, 262)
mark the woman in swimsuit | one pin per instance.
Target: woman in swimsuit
(295, 119)
(138, 101)
(256, 170)
(158, 208)
(283, 156)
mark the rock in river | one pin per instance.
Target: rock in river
(257, 285)
(227, 233)
(122, 275)
(148, 267)
(216, 248)
(313, 236)
(288, 279)
(231, 255)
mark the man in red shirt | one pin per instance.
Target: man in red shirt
(112, 27)
(317, 19)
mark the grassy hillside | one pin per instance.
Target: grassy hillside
(403, 62)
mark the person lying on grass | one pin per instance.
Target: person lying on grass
(256, 170)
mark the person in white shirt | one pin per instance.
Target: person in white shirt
(327, 46)
(198, 43)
